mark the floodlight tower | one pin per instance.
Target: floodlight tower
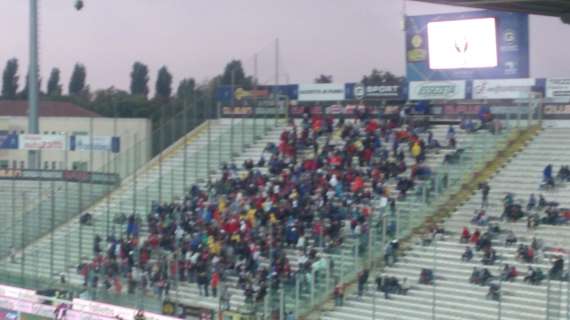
(33, 94)
(33, 80)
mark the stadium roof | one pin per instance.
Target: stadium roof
(19, 108)
(555, 8)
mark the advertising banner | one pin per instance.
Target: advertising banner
(502, 89)
(97, 143)
(300, 110)
(437, 90)
(226, 94)
(237, 111)
(474, 109)
(42, 142)
(18, 293)
(8, 314)
(10, 174)
(559, 87)
(57, 175)
(9, 141)
(357, 91)
(345, 111)
(26, 306)
(459, 50)
(321, 92)
(112, 311)
(557, 109)
(27, 316)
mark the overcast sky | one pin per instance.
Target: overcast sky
(345, 38)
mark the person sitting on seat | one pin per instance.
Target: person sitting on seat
(509, 273)
(489, 256)
(530, 275)
(475, 277)
(493, 230)
(480, 276)
(480, 218)
(451, 136)
(541, 201)
(484, 242)
(475, 236)
(557, 269)
(426, 276)
(86, 219)
(494, 292)
(532, 221)
(508, 200)
(465, 235)
(538, 276)
(536, 244)
(405, 287)
(467, 255)
(563, 173)
(547, 179)
(394, 285)
(552, 216)
(512, 212)
(531, 202)
(511, 239)
(523, 253)
(379, 282)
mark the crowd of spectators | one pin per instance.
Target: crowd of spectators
(537, 212)
(301, 195)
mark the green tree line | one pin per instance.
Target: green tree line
(135, 102)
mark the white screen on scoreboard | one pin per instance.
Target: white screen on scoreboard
(463, 44)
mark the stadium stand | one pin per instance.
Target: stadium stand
(62, 250)
(539, 296)
(28, 204)
(309, 215)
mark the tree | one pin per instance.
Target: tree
(23, 95)
(53, 85)
(10, 79)
(185, 89)
(323, 78)
(77, 81)
(112, 102)
(163, 84)
(239, 77)
(378, 77)
(139, 80)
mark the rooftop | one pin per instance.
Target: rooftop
(555, 8)
(19, 108)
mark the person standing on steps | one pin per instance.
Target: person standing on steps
(484, 187)
(338, 294)
(362, 279)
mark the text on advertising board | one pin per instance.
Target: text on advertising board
(557, 109)
(384, 91)
(321, 92)
(557, 88)
(437, 90)
(42, 142)
(502, 89)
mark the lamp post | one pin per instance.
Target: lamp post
(33, 97)
(33, 81)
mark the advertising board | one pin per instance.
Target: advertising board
(42, 142)
(437, 90)
(321, 92)
(502, 89)
(559, 87)
(357, 91)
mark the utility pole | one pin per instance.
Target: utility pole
(33, 97)
(276, 92)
